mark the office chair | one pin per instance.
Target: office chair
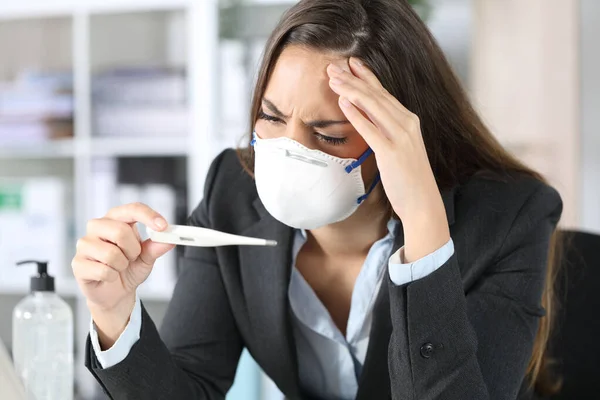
(575, 343)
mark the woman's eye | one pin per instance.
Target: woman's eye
(267, 117)
(330, 139)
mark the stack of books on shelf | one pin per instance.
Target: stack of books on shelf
(140, 102)
(36, 107)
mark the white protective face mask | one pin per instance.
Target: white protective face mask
(305, 188)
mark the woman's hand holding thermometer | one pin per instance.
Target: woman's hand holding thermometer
(112, 260)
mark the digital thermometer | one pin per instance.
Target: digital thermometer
(203, 237)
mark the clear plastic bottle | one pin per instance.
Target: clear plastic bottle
(43, 340)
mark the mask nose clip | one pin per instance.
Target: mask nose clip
(306, 159)
(293, 155)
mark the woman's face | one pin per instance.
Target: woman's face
(299, 104)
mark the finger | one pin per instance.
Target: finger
(138, 212)
(117, 232)
(104, 252)
(88, 270)
(358, 93)
(360, 70)
(384, 113)
(153, 250)
(343, 64)
(363, 125)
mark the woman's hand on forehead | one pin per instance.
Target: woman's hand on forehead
(394, 134)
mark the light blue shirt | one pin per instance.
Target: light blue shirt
(329, 362)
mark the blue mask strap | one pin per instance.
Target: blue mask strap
(360, 160)
(357, 164)
(364, 196)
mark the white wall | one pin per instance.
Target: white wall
(590, 114)
(525, 81)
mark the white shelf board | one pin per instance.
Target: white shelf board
(59, 148)
(139, 146)
(68, 288)
(51, 8)
(65, 287)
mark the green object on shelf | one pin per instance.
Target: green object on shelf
(11, 198)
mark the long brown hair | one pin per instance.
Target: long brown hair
(391, 39)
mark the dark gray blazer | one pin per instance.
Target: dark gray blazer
(464, 332)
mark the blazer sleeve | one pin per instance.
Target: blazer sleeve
(451, 345)
(198, 349)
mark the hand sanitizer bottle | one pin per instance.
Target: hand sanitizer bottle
(43, 340)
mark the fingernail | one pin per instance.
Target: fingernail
(335, 81)
(344, 102)
(160, 223)
(336, 69)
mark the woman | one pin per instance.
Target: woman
(413, 250)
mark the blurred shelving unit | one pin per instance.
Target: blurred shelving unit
(104, 53)
(67, 288)
(64, 148)
(141, 147)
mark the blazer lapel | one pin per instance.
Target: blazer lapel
(265, 273)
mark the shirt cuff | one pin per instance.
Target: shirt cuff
(401, 273)
(124, 343)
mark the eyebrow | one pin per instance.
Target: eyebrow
(321, 123)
